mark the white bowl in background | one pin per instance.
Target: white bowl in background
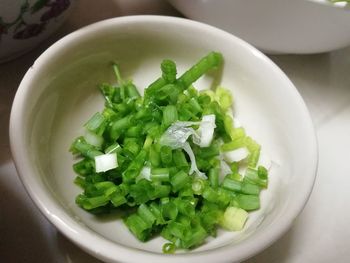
(59, 93)
(276, 26)
(24, 24)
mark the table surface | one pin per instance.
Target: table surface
(320, 234)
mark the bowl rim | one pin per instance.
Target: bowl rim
(102, 247)
(329, 4)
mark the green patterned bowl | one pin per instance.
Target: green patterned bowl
(25, 23)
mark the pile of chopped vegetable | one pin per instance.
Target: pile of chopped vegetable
(173, 159)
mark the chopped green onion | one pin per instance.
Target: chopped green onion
(118, 200)
(169, 248)
(138, 227)
(262, 173)
(160, 174)
(84, 167)
(85, 149)
(248, 202)
(134, 131)
(251, 175)
(210, 61)
(179, 158)
(210, 194)
(168, 70)
(154, 156)
(169, 115)
(236, 155)
(80, 181)
(119, 126)
(232, 185)
(106, 162)
(214, 177)
(90, 203)
(223, 97)
(194, 237)
(194, 168)
(135, 167)
(117, 73)
(179, 181)
(145, 173)
(113, 148)
(146, 214)
(166, 155)
(96, 124)
(169, 211)
(250, 189)
(132, 91)
(171, 159)
(233, 145)
(206, 130)
(148, 142)
(234, 218)
(185, 207)
(198, 186)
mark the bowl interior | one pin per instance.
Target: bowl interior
(63, 94)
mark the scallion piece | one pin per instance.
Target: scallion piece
(179, 181)
(214, 177)
(198, 186)
(96, 124)
(169, 211)
(106, 162)
(85, 149)
(212, 60)
(160, 174)
(248, 202)
(138, 227)
(169, 248)
(234, 218)
(166, 155)
(169, 115)
(179, 158)
(132, 91)
(262, 173)
(168, 68)
(145, 213)
(232, 185)
(118, 200)
(251, 176)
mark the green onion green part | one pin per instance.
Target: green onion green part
(161, 158)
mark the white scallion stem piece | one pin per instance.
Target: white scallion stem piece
(106, 162)
(177, 134)
(224, 169)
(236, 155)
(93, 139)
(206, 130)
(234, 218)
(145, 173)
(187, 148)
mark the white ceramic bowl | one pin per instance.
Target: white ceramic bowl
(24, 24)
(276, 26)
(59, 93)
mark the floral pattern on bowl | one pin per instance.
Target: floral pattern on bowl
(28, 22)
